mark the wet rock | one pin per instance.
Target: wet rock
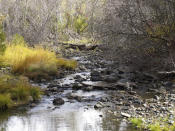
(132, 92)
(82, 68)
(122, 86)
(74, 96)
(30, 98)
(99, 105)
(120, 71)
(95, 76)
(33, 105)
(168, 84)
(125, 114)
(88, 88)
(111, 79)
(150, 76)
(58, 101)
(77, 86)
(100, 115)
(104, 100)
(100, 85)
(165, 74)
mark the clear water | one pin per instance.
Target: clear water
(74, 116)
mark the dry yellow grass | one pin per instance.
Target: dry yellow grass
(23, 59)
(65, 63)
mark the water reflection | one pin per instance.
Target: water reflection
(81, 120)
(68, 117)
(88, 120)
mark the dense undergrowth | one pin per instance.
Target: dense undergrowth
(15, 91)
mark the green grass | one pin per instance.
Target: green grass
(5, 101)
(158, 124)
(137, 122)
(15, 91)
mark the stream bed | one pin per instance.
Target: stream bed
(73, 115)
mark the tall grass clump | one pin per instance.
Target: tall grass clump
(5, 101)
(137, 122)
(15, 91)
(67, 64)
(26, 60)
(33, 62)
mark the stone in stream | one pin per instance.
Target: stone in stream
(74, 96)
(111, 78)
(99, 105)
(100, 85)
(125, 114)
(77, 86)
(58, 101)
(96, 76)
(88, 88)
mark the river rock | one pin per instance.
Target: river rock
(96, 76)
(58, 101)
(77, 86)
(99, 105)
(88, 88)
(110, 79)
(125, 114)
(74, 96)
